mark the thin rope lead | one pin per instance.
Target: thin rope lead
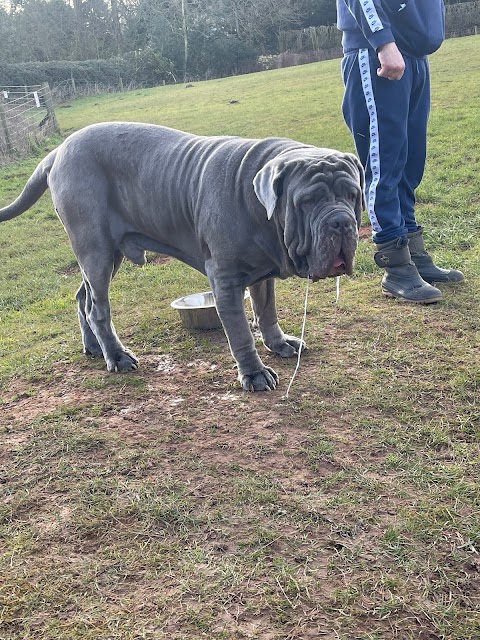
(301, 339)
(303, 331)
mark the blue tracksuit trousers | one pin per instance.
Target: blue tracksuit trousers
(388, 121)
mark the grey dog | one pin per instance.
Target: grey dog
(241, 211)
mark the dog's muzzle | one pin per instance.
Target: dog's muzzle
(337, 251)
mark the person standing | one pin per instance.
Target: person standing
(386, 107)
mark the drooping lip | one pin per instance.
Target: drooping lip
(339, 262)
(340, 266)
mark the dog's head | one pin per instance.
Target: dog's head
(317, 198)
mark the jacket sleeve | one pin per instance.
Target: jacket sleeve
(372, 21)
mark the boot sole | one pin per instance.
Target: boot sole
(402, 299)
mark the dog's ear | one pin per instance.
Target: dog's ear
(268, 185)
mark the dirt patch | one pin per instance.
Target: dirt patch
(196, 408)
(365, 232)
(193, 399)
(262, 517)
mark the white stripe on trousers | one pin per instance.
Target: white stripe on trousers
(374, 152)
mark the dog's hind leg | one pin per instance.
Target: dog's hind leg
(95, 317)
(91, 345)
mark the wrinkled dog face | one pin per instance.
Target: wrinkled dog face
(316, 196)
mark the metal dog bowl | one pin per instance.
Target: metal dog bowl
(198, 311)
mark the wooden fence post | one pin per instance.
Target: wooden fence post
(4, 129)
(49, 105)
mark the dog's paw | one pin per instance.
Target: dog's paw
(264, 380)
(288, 347)
(123, 361)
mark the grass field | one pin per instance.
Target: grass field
(168, 504)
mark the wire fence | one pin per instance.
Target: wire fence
(71, 89)
(27, 117)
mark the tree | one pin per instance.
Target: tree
(9, 49)
(258, 22)
(318, 12)
(39, 30)
(117, 29)
(185, 38)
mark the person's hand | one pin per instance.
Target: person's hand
(392, 64)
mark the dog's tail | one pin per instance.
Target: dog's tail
(36, 186)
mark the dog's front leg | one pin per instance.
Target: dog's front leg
(265, 312)
(229, 300)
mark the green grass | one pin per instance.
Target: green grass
(167, 504)
(303, 103)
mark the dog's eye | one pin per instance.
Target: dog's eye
(352, 197)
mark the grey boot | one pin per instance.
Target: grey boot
(424, 263)
(401, 279)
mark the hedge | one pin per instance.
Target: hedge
(146, 68)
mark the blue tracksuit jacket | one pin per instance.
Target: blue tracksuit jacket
(388, 118)
(417, 26)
